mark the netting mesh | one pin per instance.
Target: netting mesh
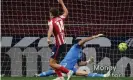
(80, 11)
(24, 30)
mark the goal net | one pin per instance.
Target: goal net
(25, 51)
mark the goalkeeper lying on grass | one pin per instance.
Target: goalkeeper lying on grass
(81, 65)
(72, 57)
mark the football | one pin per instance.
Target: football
(122, 47)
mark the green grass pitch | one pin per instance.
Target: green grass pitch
(73, 78)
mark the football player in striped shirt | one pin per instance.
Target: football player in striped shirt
(56, 28)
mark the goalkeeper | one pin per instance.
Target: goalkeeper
(81, 65)
(74, 54)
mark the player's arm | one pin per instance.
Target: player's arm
(81, 42)
(65, 13)
(50, 32)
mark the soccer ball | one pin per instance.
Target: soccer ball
(122, 47)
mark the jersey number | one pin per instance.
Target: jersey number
(61, 28)
(60, 25)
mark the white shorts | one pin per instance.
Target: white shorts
(84, 68)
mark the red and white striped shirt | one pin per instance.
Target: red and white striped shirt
(57, 25)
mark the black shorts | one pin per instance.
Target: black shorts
(59, 52)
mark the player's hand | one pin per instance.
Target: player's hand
(60, 1)
(98, 35)
(49, 41)
(91, 60)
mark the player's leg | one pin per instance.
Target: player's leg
(55, 66)
(53, 60)
(81, 73)
(99, 75)
(68, 66)
(62, 50)
(64, 75)
(46, 73)
(95, 75)
(84, 68)
(84, 73)
(55, 57)
(59, 69)
(57, 52)
(53, 63)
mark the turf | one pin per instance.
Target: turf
(73, 78)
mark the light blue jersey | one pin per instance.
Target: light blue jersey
(70, 61)
(72, 57)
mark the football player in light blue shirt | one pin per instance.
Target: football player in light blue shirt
(74, 54)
